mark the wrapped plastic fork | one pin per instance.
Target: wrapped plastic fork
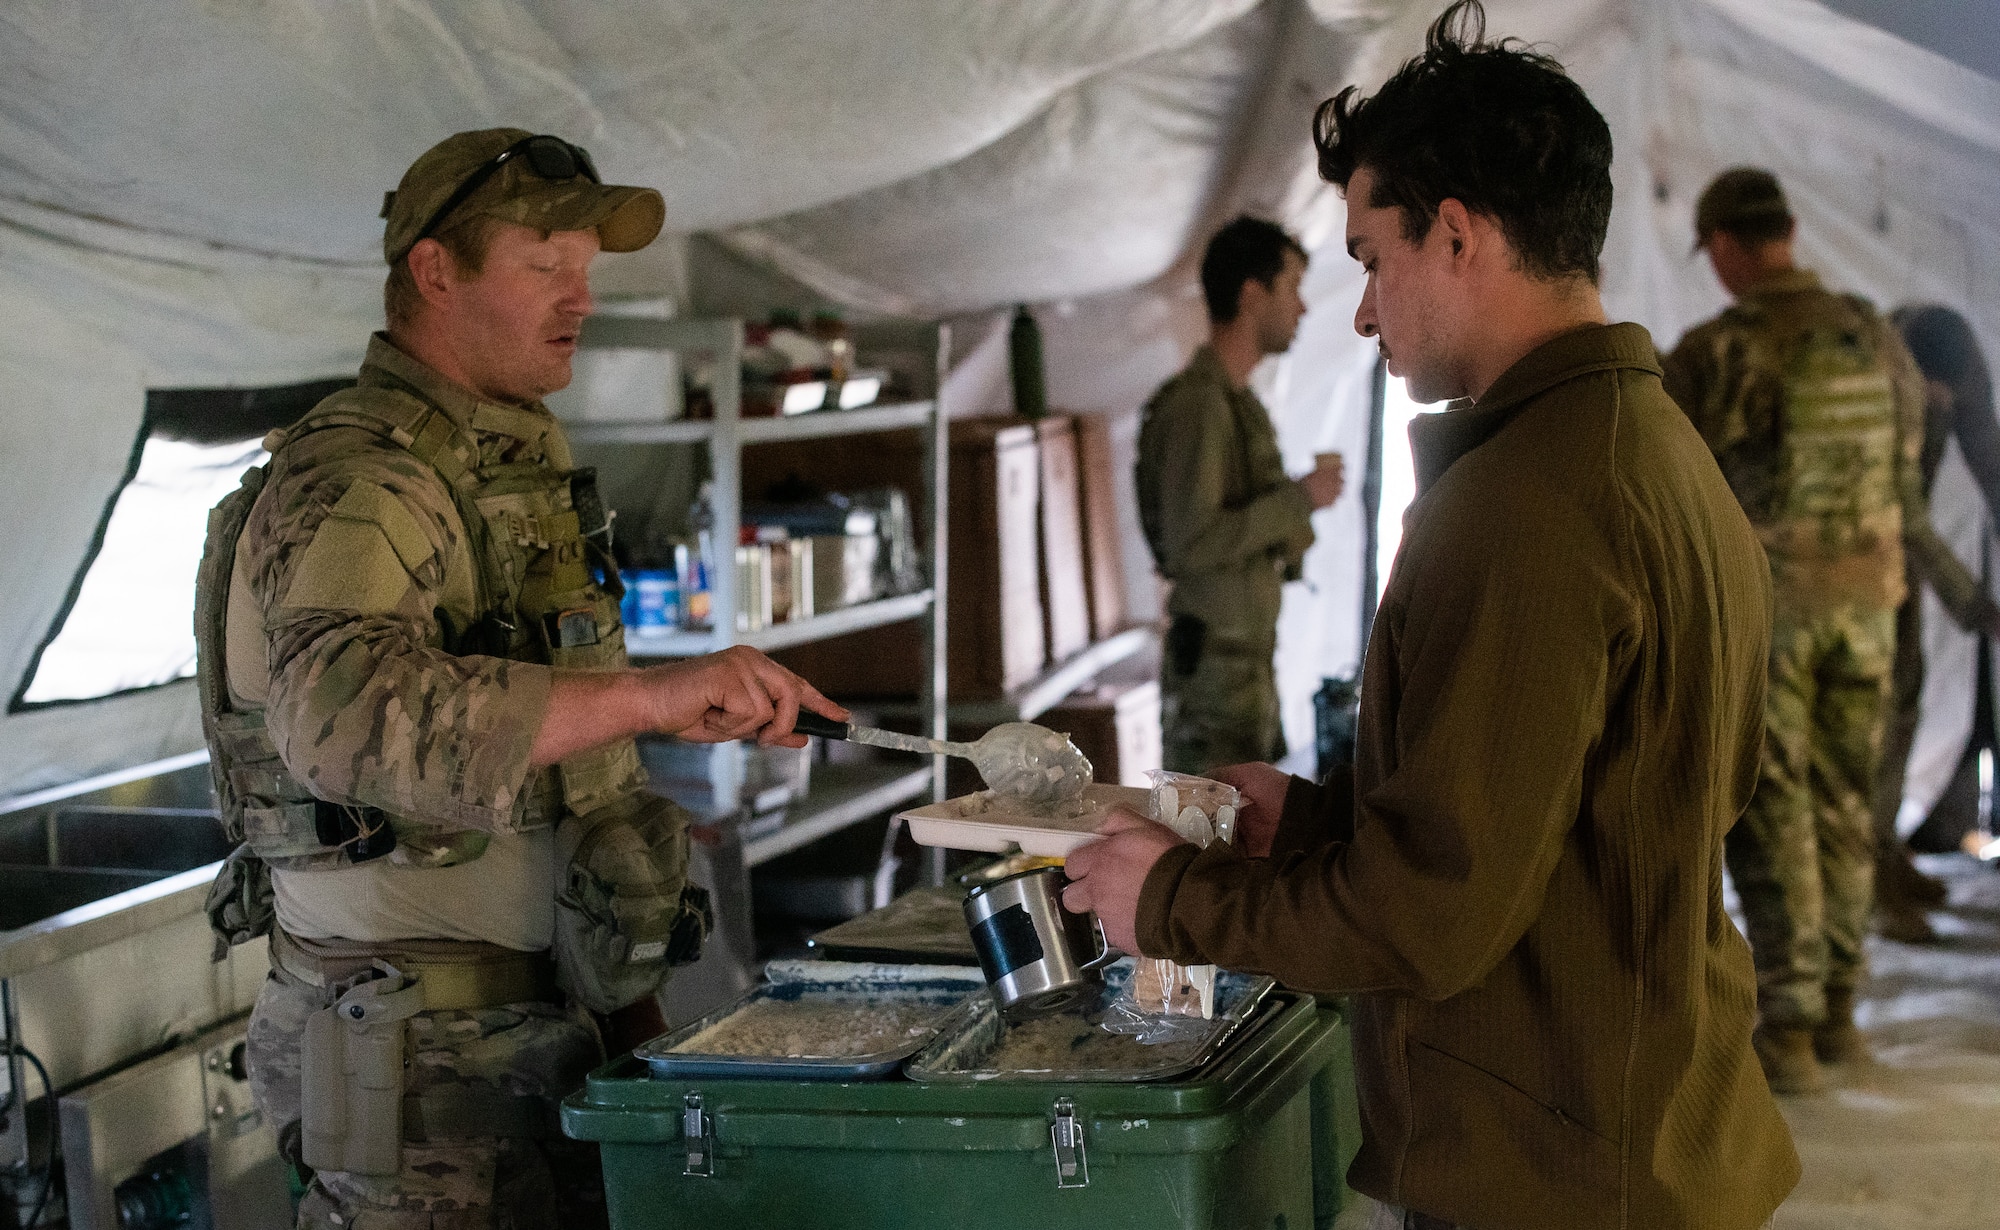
(1201, 811)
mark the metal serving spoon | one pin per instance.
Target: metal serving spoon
(1017, 759)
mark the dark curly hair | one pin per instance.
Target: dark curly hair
(1499, 128)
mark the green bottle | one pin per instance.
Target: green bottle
(1024, 356)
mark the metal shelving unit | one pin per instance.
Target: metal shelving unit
(843, 795)
(1048, 689)
(680, 644)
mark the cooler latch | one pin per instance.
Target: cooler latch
(698, 1134)
(1066, 1134)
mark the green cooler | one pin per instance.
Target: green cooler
(1259, 1137)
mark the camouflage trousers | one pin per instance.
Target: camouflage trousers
(486, 1182)
(1803, 855)
(1222, 712)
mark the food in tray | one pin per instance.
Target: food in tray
(992, 801)
(812, 1027)
(1098, 1038)
(1067, 1042)
(1033, 763)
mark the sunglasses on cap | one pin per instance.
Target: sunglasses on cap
(548, 157)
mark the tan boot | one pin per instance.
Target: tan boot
(1838, 1041)
(1788, 1060)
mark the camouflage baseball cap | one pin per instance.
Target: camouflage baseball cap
(1738, 195)
(625, 219)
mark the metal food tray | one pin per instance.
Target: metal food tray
(964, 1044)
(943, 987)
(924, 924)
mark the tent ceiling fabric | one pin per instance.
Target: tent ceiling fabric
(1096, 192)
(1963, 30)
(276, 125)
(188, 195)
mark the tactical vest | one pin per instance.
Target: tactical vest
(538, 533)
(1830, 515)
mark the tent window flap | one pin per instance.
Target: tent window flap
(127, 623)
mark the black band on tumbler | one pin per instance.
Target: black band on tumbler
(1006, 941)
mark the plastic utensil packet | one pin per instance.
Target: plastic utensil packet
(1152, 1027)
(1201, 811)
(1197, 808)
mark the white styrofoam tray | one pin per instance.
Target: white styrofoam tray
(998, 830)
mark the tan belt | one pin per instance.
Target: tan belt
(454, 975)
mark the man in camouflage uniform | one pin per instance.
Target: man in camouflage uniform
(415, 646)
(1226, 526)
(1815, 413)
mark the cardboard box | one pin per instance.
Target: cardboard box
(994, 607)
(1064, 598)
(1103, 564)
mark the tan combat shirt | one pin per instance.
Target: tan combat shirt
(1226, 525)
(352, 559)
(1735, 403)
(1521, 885)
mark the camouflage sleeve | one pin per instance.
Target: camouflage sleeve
(349, 554)
(1198, 529)
(1931, 561)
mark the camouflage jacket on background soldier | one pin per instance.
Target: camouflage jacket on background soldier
(1836, 501)
(1226, 525)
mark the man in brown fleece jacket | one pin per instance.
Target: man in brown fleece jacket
(1562, 711)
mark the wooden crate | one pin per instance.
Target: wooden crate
(1116, 725)
(1065, 601)
(994, 611)
(1103, 563)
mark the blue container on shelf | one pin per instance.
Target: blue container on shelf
(652, 600)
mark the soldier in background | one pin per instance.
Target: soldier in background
(1958, 405)
(1226, 526)
(421, 722)
(1815, 413)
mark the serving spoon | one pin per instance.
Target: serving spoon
(1018, 759)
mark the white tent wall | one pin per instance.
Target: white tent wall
(94, 316)
(1951, 655)
(188, 194)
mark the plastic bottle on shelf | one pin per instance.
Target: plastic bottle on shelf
(831, 332)
(652, 602)
(695, 565)
(1024, 358)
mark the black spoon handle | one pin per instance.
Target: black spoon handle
(810, 723)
